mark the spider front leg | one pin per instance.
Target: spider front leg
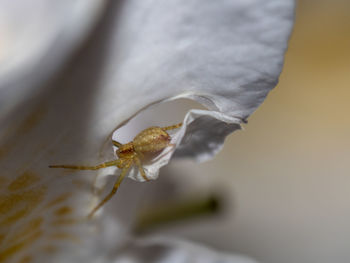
(117, 144)
(82, 167)
(139, 165)
(115, 188)
(172, 127)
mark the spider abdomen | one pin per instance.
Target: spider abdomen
(151, 140)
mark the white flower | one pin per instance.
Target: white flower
(56, 107)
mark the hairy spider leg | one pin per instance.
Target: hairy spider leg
(115, 188)
(172, 127)
(139, 165)
(117, 144)
(81, 167)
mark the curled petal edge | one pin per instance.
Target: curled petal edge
(201, 137)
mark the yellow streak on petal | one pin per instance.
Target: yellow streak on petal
(30, 199)
(63, 211)
(58, 200)
(26, 229)
(15, 217)
(13, 249)
(23, 181)
(65, 236)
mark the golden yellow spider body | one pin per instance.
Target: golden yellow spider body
(148, 141)
(144, 146)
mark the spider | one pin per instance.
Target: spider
(146, 144)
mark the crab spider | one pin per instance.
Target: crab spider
(145, 145)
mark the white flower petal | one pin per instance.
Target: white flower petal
(227, 55)
(37, 37)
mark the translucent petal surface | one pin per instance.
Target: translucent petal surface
(36, 38)
(226, 55)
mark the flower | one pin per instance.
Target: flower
(59, 104)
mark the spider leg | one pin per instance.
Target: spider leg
(114, 190)
(80, 167)
(139, 165)
(117, 144)
(172, 127)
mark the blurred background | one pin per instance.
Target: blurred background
(282, 184)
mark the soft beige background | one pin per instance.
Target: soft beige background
(286, 177)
